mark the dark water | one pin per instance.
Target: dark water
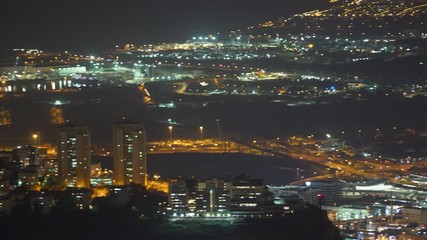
(273, 170)
(100, 108)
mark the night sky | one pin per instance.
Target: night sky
(92, 25)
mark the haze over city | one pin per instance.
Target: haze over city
(213, 119)
(98, 25)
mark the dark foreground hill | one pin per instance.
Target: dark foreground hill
(121, 224)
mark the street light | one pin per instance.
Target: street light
(201, 133)
(35, 136)
(218, 123)
(170, 133)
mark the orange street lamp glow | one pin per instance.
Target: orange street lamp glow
(35, 136)
(170, 133)
(201, 133)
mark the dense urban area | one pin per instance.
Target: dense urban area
(315, 119)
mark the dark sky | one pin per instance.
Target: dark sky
(97, 24)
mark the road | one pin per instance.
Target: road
(331, 164)
(340, 165)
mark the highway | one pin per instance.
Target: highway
(334, 164)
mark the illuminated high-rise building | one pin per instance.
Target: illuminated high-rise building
(129, 153)
(74, 156)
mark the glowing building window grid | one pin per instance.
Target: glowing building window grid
(129, 144)
(72, 155)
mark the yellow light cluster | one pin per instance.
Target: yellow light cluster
(100, 192)
(158, 186)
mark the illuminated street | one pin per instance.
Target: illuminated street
(225, 120)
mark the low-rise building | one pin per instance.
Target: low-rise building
(415, 215)
(213, 195)
(178, 196)
(246, 193)
(119, 195)
(42, 202)
(81, 198)
(29, 177)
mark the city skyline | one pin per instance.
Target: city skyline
(214, 119)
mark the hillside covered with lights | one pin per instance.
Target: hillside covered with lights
(349, 17)
(367, 8)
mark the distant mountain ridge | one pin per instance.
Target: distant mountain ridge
(348, 15)
(368, 8)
